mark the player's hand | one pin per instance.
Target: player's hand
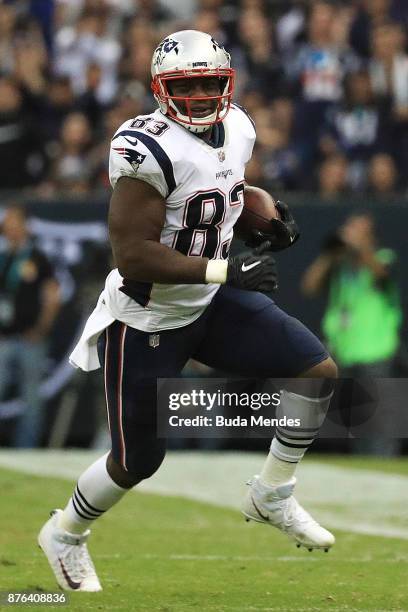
(254, 271)
(284, 231)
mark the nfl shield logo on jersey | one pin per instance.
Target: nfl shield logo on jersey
(154, 340)
(221, 155)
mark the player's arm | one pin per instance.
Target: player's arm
(136, 219)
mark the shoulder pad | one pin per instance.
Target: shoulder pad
(137, 154)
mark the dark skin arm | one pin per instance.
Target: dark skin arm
(136, 218)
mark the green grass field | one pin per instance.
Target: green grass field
(170, 554)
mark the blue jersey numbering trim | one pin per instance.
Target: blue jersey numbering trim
(158, 153)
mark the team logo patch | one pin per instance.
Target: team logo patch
(133, 157)
(165, 47)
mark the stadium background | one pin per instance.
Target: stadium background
(72, 72)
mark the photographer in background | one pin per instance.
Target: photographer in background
(363, 316)
(29, 303)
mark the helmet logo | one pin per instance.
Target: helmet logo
(165, 47)
(190, 54)
(216, 45)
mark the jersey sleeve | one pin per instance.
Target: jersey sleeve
(247, 128)
(137, 155)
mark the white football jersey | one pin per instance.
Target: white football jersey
(203, 186)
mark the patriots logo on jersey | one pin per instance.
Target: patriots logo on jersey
(133, 157)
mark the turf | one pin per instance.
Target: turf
(167, 554)
(398, 465)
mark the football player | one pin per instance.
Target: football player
(178, 184)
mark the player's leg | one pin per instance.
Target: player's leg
(64, 536)
(270, 498)
(307, 399)
(253, 337)
(131, 367)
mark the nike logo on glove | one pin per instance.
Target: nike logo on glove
(245, 268)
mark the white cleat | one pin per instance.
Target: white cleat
(68, 556)
(276, 506)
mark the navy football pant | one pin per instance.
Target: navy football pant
(241, 332)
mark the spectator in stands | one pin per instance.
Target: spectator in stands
(289, 27)
(389, 77)
(382, 176)
(208, 20)
(257, 56)
(138, 42)
(100, 48)
(370, 14)
(31, 61)
(70, 172)
(136, 64)
(318, 71)
(280, 162)
(88, 102)
(88, 42)
(21, 148)
(29, 303)
(333, 177)
(154, 11)
(399, 11)
(59, 101)
(388, 67)
(356, 128)
(7, 32)
(363, 314)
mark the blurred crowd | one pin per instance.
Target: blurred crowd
(326, 83)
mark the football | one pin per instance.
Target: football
(259, 209)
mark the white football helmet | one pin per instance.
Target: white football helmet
(191, 54)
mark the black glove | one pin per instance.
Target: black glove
(284, 231)
(254, 271)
